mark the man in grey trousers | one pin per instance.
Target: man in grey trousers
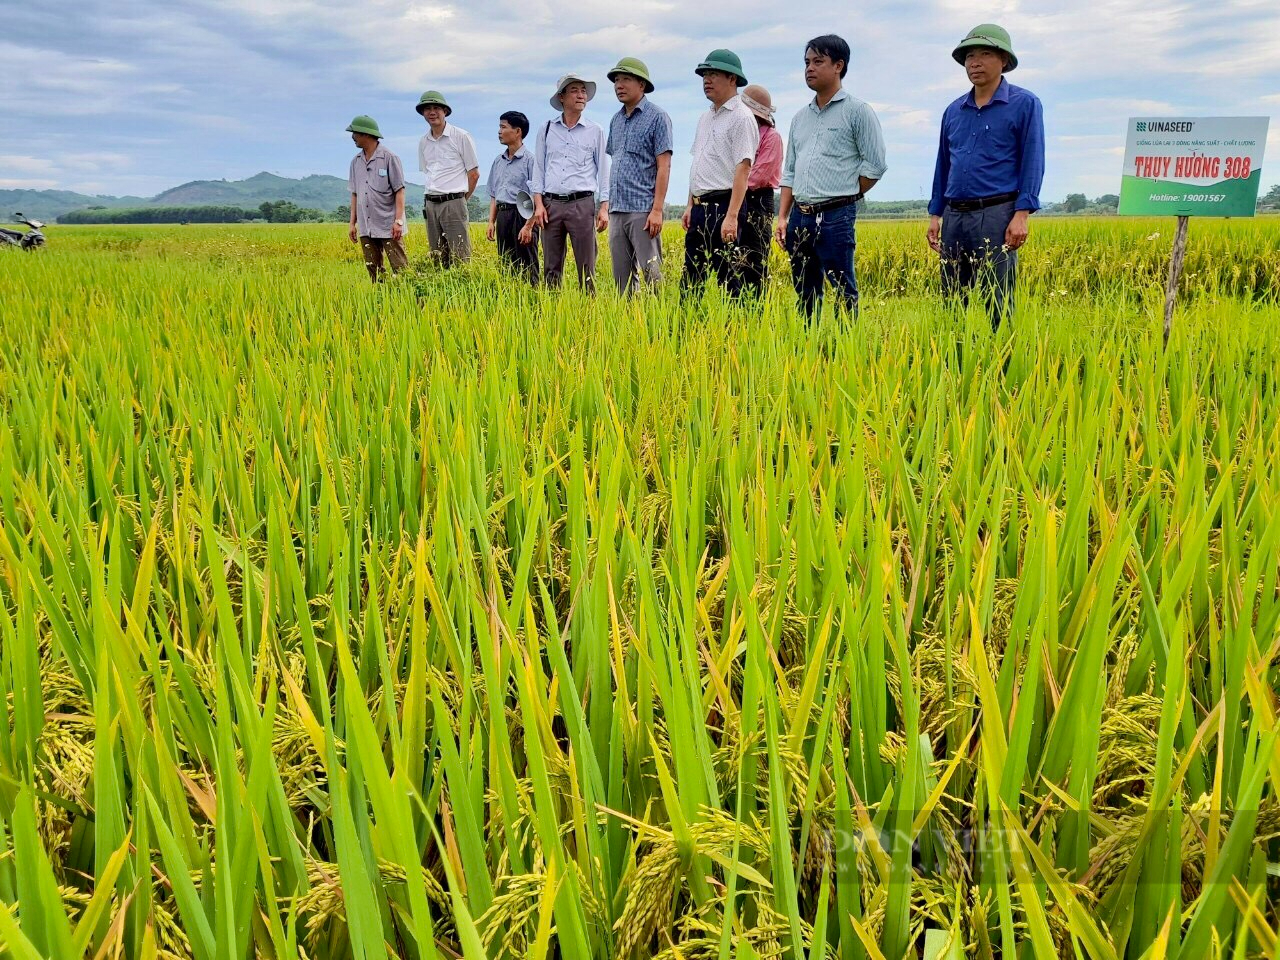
(570, 167)
(447, 155)
(640, 146)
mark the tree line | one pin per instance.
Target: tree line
(272, 211)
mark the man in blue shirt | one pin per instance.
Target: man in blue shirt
(511, 175)
(986, 182)
(640, 144)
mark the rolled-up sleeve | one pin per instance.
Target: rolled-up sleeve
(869, 140)
(1031, 162)
(395, 173)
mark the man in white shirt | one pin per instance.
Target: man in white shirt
(447, 155)
(724, 148)
(570, 168)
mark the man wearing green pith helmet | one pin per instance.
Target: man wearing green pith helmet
(447, 155)
(986, 183)
(724, 147)
(376, 181)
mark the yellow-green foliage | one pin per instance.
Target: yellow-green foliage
(446, 618)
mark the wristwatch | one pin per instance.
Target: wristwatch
(399, 223)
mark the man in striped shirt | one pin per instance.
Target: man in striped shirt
(640, 146)
(835, 154)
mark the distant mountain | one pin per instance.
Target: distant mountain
(50, 204)
(318, 191)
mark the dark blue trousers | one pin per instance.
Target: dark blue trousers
(973, 254)
(821, 248)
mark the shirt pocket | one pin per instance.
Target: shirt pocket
(833, 142)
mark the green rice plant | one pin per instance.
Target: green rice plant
(453, 618)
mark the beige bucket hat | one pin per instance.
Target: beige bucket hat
(564, 81)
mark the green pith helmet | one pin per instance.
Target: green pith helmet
(433, 98)
(989, 35)
(364, 124)
(632, 67)
(726, 61)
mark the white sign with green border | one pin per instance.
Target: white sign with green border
(1193, 166)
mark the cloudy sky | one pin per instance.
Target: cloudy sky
(135, 96)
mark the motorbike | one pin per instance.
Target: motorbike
(31, 239)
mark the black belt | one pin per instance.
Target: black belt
(503, 205)
(714, 196)
(981, 203)
(569, 197)
(442, 197)
(822, 206)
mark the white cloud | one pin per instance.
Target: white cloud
(145, 96)
(9, 183)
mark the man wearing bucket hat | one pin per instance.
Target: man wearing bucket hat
(570, 166)
(835, 154)
(640, 147)
(376, 182)
(766, 173)
(987, 178)
(447, 155)
(508, 187)
(724, 147)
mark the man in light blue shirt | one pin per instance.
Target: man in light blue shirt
(835, 154)
(570, 166)
(509, 178)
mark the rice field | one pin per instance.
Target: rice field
(451, 619)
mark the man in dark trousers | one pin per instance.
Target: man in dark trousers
(835, 154)
(986, 183)
(724, 147)
(511, 175)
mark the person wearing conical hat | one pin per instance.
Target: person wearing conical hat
(986, 182)
(766, 173)
(640, 147)
(570, 168)
(835, 154)
(724, 147)
(447, 155)
(509, 182)
(376, 182)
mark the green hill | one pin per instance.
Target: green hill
(48, 205)
(317, 191)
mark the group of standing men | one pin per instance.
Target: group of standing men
(580, 180)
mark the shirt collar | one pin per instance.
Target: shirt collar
(1001, 94)
(519, 154)
(733, 103)
(841, 94)
(379, 152)
(448, 128)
